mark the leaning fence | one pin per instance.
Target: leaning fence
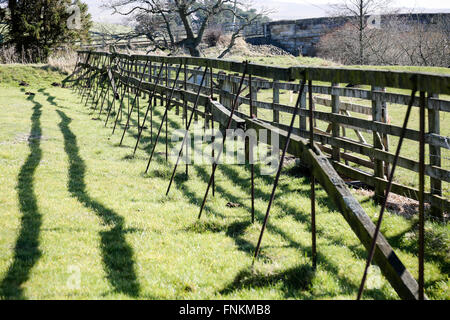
(352, 115)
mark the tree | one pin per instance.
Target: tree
(424, 43)
(2, 22)
(163, 21)
(357, 13)
(37, 27)
(407, 39)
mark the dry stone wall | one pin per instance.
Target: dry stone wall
(300, 37)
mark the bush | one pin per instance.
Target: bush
(63, 59)
(212, 36)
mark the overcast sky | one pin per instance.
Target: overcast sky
(289, 9)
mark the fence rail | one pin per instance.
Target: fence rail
(342, 148)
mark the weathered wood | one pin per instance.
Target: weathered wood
(385, 257)
(432, 139)
(369, 151)
(253, 97)
(276, 100)
(409, 192)
(335, 108)
(227, 87)
(355, 123)
(303, 108)
(436, 172)
(272, 78)
(344, 106)
(397, 79)
(434, 127)
(222, 114)
(383, 129)
(379, 78)
(394, 98)
(377, 144)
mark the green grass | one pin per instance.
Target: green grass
(72, 199)
(110, 28)
(438, 70)
(284, 61)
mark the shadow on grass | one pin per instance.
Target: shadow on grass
(291, 280)
(236, 231)
(117, 254)
(26, 251)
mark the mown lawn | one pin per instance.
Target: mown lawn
(80, 219)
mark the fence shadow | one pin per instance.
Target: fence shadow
(26, 251)
(117, 254)
(292, 280)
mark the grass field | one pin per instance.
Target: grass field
(75, 206)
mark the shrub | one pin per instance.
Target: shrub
(212, 36)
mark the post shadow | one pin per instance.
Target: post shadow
(26, 250)
(116, 253)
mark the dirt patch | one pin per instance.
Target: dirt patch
(403, 206)
(233, 205)
(241, 47)
(25, 137)
(268, 50)
(289, 161)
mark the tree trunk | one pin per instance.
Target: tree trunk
(361, 29)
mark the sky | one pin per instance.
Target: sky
(289, 9)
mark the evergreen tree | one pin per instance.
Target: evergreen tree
(37, 27)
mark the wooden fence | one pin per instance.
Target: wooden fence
(356, 156)
(364, 155)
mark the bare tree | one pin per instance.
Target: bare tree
(357, 13)
(407, 39)
(425, 44)
(340, 45)
(161, 20)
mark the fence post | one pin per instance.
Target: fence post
(235, 89)
(377, 112)
(335, 109)
(434, 127)
(385, 119)
(302, 119)
(155, 81)
(276, 100)
(227, 86)
(206, 84)
(195, 80)
(161, 102)
(253, 97)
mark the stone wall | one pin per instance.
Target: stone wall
(300, 37)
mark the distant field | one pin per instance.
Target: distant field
(110, 28)
(74, 203)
